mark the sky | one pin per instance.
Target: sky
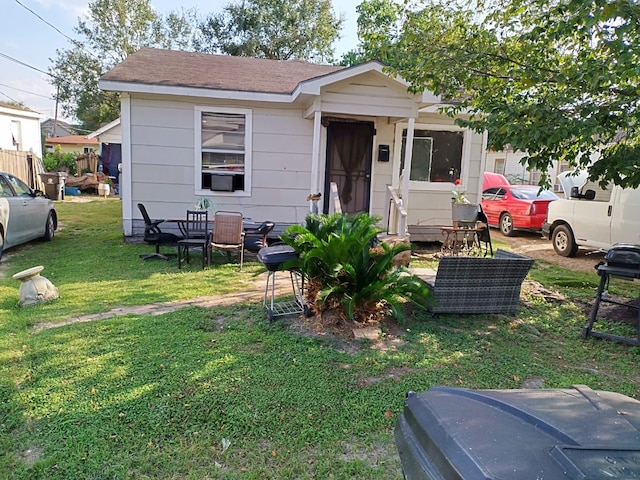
(28, 40)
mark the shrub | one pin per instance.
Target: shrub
(53, 161)
(347, 269)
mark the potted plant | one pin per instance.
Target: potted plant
(463, 212)
(104, 186)
(203, 203)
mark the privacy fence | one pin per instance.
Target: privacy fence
(24, 165)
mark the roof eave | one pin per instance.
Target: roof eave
(130, 87)
(18, 112)
(313, 85)
(104, 128)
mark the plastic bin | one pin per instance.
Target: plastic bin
(54, 184)
(573, 434)
(72, 191)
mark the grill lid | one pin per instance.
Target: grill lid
(624, 255)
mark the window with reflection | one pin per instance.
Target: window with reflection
(436, 155)
(224, 150)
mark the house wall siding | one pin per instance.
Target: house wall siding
(163, 153)
(113, 135)
(370, 94)
(31, 138)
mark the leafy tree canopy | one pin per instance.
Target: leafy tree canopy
(276, 29)
(112, 30)
(379, 25)
(556, 79)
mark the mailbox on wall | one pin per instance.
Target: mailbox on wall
(383, 153)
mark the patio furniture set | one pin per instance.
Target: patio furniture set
(464, 283)
(226, 232)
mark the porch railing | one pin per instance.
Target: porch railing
(395, 215)
(334, 199)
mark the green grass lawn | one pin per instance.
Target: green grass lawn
(222, 393)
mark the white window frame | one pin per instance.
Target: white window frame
(435, 186)
(16, 134)
(248, 150)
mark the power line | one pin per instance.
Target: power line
(51, 25)
(19, 62)
(25, 91)
(74, 42)
(12, 99)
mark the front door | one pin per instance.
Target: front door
(349, 153)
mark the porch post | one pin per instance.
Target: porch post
(125, 176)
(408, 155)
(314, 186)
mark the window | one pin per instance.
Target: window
(223, 158)
(16, 133)
(436, 156)
(21, 189)
(534, 177)
(494, 193)
(499, 166)
(87, 150)
(5, 189)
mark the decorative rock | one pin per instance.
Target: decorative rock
(367, 333)
(34, 288)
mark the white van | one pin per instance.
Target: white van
(592, 217)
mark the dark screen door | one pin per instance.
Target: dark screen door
(349, 153)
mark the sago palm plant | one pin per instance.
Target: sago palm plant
(346, 268)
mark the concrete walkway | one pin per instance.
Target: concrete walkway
(254, 294)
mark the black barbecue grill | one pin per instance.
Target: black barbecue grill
(621, 261)
(273, 258)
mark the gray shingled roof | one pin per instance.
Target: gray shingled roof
(150, 66)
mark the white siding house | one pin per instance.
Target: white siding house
(258, 136)
(509, 163)
(20, 129)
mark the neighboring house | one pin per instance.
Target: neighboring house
(508, 163)
(52, 128)
(258, 136)
(20, 129)
(21, 143)
(109, 138)
(77, 144)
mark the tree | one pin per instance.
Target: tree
(113, 30)
(276, 29)
(379, 25)
(558, 80)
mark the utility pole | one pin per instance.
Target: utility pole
(55, 118)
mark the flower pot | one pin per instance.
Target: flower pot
(464, 213)
(104, 189)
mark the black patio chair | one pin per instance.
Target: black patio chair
(484, 235)
(196, 235)
(255, 238)
(154, 236)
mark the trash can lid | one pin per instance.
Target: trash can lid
(577, 434)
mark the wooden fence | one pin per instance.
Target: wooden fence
(24, 165)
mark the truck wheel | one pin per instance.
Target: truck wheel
(506, 225)
(563, 242)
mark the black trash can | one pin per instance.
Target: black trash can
(577, 434)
